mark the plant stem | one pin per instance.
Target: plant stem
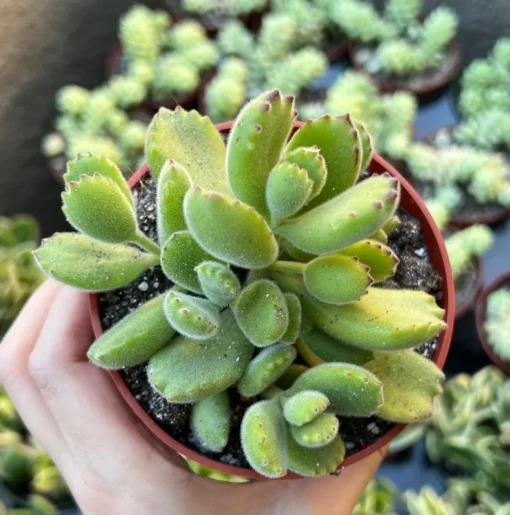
(288, 267)
(146, 243)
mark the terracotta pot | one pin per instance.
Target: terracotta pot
(186, 100)
(425, 92)
(410, 202)
(464, 308)
(500, 282)
(460, 221)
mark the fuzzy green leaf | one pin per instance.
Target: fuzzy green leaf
(287, 191)
(350, 217)
(410, 383)
(381, 260)
(89, 164)
(210, 422)
(191, 316)
(381, 320)
(304, 407)
(366, 145)
(290, 376)
(337, 279)
(134, 339)
(173, 184)
(263, 439)
(316, 347)
(255, 146)
(191, 370)
(318, 433)
(179, 257)
(380, 236)
(294, 309)
(314, 462)
(191, 140)
(391, 224)
(219, 284)
(91, 265)
(97, 207)
(261, 312)
(351, 390)
(229, 230)
(266, 368)
(310, 159)
(339, 144)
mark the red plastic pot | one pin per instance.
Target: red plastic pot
(466, 306)
(500, 282)
(462, 221)
(410, 202)
(425, 92)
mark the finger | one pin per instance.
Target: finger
(14, 352)
(83, 399)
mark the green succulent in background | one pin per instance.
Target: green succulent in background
(388, 118)
(277, 58)
(470, 429)
(292, 214)
(427, 502)
(482, 174)
(379, 498)
(19, 274)
(224, 8)
(497, 325)
(485, 100)
(397, 42)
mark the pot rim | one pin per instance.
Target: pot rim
(412, 203)
(422, 93)
(481, 306)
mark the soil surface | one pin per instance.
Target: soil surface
(414, 272)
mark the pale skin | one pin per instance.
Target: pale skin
(110, 462)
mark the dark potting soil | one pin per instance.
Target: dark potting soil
(465, 285)
(414, 272)
(431, 77)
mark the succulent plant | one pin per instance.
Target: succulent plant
(397, 42)
(378, 498)
(222, 8)
(427, 502)
(19, 275)
(482, 174)
(470, 429)
(228, 228)
(497, 326)
(388, 118)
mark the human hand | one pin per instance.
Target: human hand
(108, 459)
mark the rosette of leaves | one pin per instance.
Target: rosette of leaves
(470, 431)
(497, 322)
(272, 229)
(397, 42)
(388, 118)
(485, 100)
(455, 171)
(19, 274)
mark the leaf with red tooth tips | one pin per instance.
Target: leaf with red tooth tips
(337, 279)
(229, 229)
(339, 144)
(346, 219)
(366, 145)
(380, 258)
(310, 159)
(255, 146)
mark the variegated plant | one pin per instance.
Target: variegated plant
(274, 249)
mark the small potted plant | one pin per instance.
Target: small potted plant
(473, 184)
(389, 118)
(246, 256)
(484, 101)
(400, 50)
(214, 14)
(170, 62)
(276, 58)
(492, 321)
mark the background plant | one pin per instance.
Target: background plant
(388, 118)
(497, 325)
(222, 8)
(221, 211)
(397, 42)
